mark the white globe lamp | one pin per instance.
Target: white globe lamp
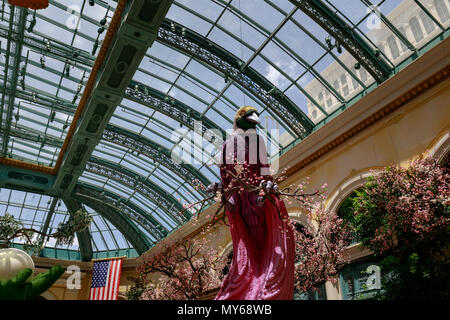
(13, 260)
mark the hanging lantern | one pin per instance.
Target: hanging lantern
(31, 4)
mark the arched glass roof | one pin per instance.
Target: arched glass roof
(299, 62)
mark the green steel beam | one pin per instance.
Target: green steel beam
(137, 31)
(151, 98)
(131, 211)
(17, 24)
(276, 40)
(117, 217)
(26, 180)
(127, 139)
(84, 237)
(134, 212)
(47, 221)
(150, 190)
(348, 38)
(136, 91)
(202, 49)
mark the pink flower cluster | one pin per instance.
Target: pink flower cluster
(320, 249)
(412, 204)
(187, 268)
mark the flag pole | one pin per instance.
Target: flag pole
(105, 259)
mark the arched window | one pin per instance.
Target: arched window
(442, 10)
(392, 43)
(427, 22)
(416, 29)
(345, 211)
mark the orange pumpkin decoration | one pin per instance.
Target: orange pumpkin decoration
(31, 4)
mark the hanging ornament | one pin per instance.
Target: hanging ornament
(31, 4)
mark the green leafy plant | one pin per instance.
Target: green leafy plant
(18, 288)
(403, 216)
(11, 228)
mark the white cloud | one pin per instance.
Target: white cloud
(274, 76)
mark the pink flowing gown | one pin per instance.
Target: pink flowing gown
(262, 267)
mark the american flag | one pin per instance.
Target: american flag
(106, 279)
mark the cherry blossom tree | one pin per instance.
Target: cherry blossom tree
(321, 244)
(188, 269)
(403, 215)
(320, 247)
(320, 250)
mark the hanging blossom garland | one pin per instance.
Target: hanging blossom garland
(10, 229)
(188, 269)
(77, 222)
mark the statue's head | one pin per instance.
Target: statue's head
(246, 118)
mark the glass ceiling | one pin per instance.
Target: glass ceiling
(46, 58)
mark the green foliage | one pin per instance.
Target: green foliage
(137, 288)
(8, 226)
(402, 215)
(11, 229)
(79, 221)
(18, 289)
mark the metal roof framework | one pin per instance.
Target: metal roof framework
(208, 58)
